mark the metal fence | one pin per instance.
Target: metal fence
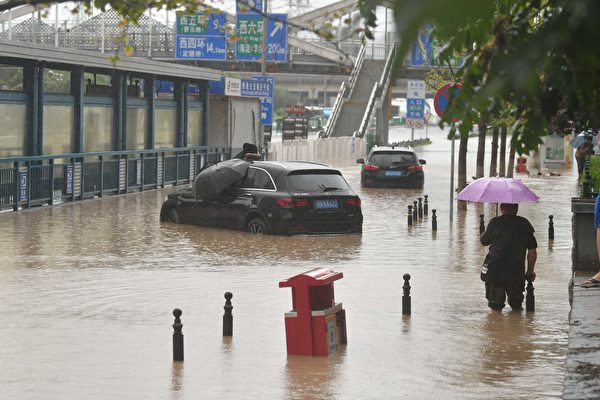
(32, 181)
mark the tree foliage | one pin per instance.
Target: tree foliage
(535, 63)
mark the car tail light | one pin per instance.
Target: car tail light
(415, 168)
(288, 202)
(371, 167)
(353, 202)
(301, 202)
(285, 202)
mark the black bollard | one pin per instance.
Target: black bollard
(530, 298)
(406, 295)
(433, 220)
(177, 336)
(410, 216)
(228, 316)
(481, 224)
(551, 227)
(415, 213)
(425, 205)
(420, 208)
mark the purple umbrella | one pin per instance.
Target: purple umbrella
(497, 190)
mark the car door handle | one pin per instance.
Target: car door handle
(247, 194)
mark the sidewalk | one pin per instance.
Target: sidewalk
(582, 375)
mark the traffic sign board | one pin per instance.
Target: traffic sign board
(248, 47)
(248, 5)
(201, 37)
(277, 38)
(266, 103)
(442, 98)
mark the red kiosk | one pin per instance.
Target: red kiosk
(316, 325)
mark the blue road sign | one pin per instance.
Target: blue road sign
(266, 103)
(255, 88)
(242, 6)
(415, 108)
(200, 47)
(22, 186)
(277, 38)
(201, 37)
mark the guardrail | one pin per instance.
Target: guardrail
(53, 179)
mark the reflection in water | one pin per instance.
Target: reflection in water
(177, 382)
(313, 377)
(219, 245)
(508, 345)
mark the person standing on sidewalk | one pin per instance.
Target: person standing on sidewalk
(595, 280)
(583, 151)
(511, 240)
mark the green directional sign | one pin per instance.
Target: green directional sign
(250, 31)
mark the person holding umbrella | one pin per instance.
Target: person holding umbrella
(511, 239)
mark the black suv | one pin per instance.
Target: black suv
(392, 166)
(279, 198)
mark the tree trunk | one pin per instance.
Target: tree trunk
(481, 146)
(494, 158)
(502, 171)
(462, 168)
(511, 161)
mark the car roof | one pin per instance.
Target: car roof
(391, 148)
(289, 166)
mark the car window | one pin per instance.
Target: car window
(390, 157)
(316, 181)
(258, 179)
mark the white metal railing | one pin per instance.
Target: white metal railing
(344, 92)
(378, 91)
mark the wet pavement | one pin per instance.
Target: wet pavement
(88, 291)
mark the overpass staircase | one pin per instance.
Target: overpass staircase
(361, 96)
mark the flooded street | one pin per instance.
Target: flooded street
(88, 291)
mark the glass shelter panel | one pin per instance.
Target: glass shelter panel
(97, 128)
(136, 128)
(11, 77)
(58, 129)
(57, 81)
(194, 126)
(165, 127)
(13, 120)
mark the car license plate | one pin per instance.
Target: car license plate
(393, 173)
(326, 204)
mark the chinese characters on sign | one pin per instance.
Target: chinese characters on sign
(250, 28)
(266, 102)
(201, 37)
(415, 104)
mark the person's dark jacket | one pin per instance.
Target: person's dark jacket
(509, 238)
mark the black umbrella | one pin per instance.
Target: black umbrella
(218, 178)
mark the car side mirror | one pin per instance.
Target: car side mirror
(360, 160)
(423, 162)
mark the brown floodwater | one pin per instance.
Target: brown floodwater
(88, 291)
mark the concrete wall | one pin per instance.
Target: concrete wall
(233, 121)
(584, 254)
(337, 151)
(218, 120)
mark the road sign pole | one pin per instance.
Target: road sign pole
(263, 64)
(412, 135)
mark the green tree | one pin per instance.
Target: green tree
(540, 56)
